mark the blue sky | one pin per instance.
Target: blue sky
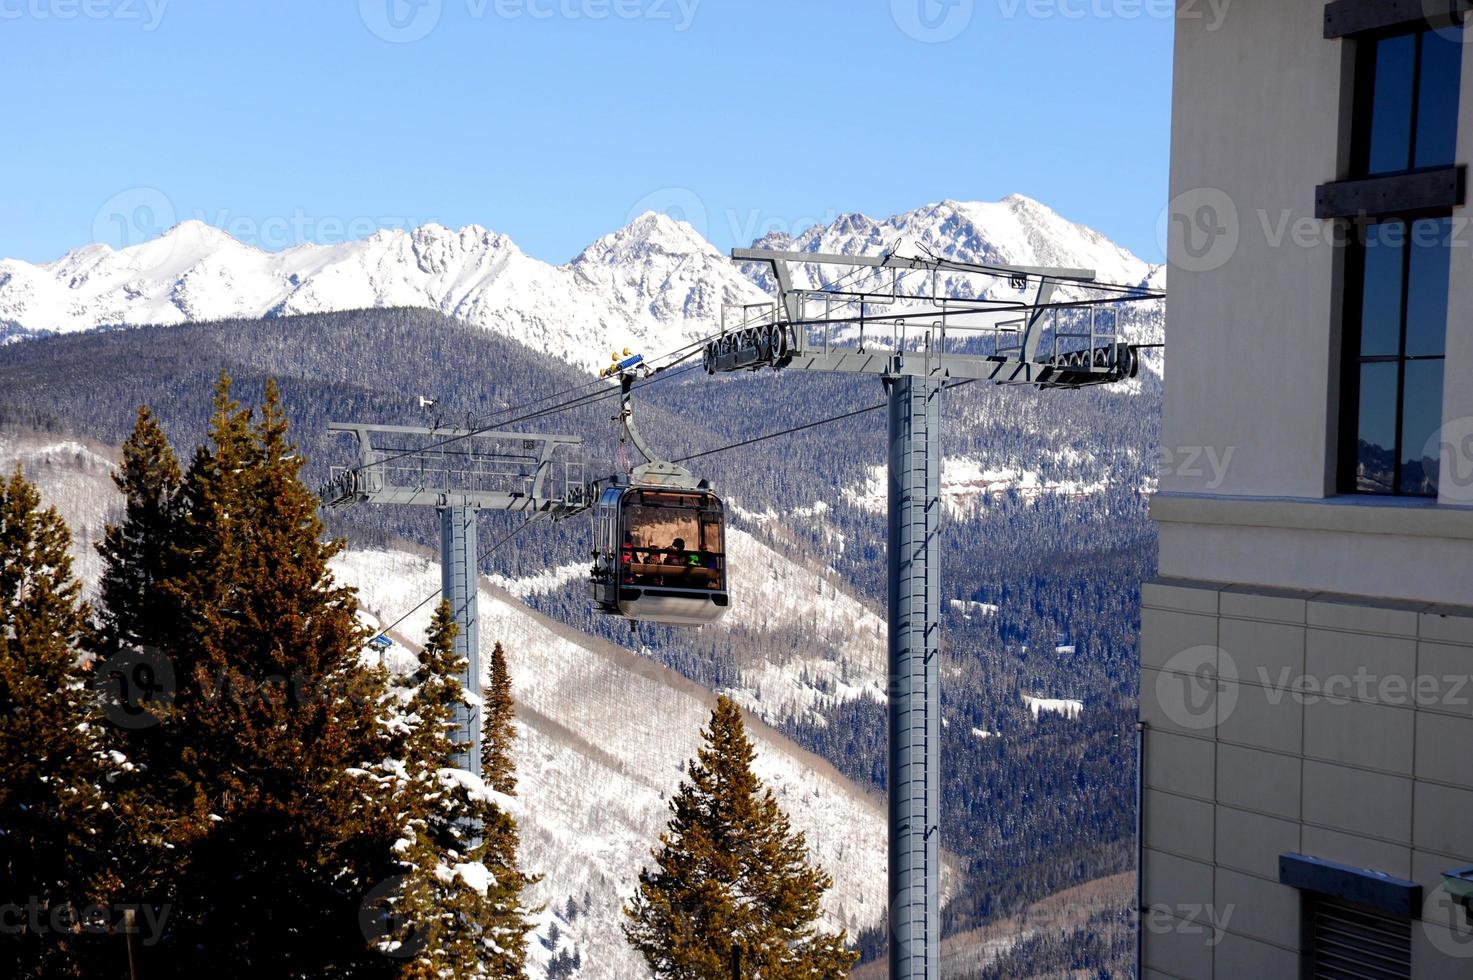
(554, 121)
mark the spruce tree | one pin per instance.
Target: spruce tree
(275, 722)
(134, 681)
(502, 839)
(731, 872)
(136, 553)
(498, 731)
(55, 829)
(460, 900)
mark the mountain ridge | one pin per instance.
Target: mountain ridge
(654, 285)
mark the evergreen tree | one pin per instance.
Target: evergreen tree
(461, 900)
(274, 719)
(499, 771)
(134, 682)
(498, 733)
(731, 872)
(54, 825)
(136, 552)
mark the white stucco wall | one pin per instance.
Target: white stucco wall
(1255, 129)
(1253, 315)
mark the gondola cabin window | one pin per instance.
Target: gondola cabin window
(672, 540)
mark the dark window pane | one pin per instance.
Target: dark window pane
(1437, 112)
(1391, 106)
(1380, 330)
(1375, 470)
(1421, 422)
(1427, 287)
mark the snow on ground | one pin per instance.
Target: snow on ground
(843, 655)
(1067, 707)
(549, 581)
(74, 478)
(967, 482)
(604, 735)
(769, 520)
(838, 651)
(768, 516)
(968, 609)
(826, 647)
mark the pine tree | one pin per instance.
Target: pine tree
(498, 733)
(54, 825)
(135, 683)
(731, 872)
(502, 840)
(274, 721)
(460, 900)
(136, 553)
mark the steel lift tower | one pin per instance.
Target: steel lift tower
(460, 472)
(902, 320)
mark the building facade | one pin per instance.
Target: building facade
(1307, 650)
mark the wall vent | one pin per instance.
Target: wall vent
(1352, 942)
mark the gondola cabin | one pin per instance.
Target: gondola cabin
(660, 554)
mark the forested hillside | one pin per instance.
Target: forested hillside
(1046, 543)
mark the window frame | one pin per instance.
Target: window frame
(1363, 92)
(1364, 64)
(1352, 359)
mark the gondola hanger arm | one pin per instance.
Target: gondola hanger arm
(626, 419)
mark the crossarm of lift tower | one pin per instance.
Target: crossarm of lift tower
(895, 316)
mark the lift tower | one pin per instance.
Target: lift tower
(918, 324)
(460, 472)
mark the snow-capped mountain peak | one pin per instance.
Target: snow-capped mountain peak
(654, 285)
(653, 231)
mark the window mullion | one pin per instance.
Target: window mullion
(1401, 354)
(1416, 101)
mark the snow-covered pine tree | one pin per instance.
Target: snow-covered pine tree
(275, 721)
(731, 872)
(459, 904)
(501, 839)
(55, 833)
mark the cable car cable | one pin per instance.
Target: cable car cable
(580, 402)
(685, 459)
(797, 428)
(801, 428)
(486, 419)
(487, 553)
